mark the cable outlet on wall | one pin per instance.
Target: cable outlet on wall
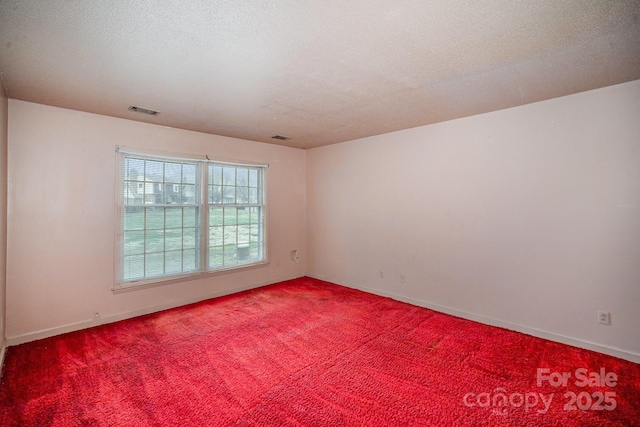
(604, 317)
(403, 278)
(381, 274)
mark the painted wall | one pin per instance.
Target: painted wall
(3, 217)
(527, 218)
(61, 192)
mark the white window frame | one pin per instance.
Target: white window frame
(203, 205)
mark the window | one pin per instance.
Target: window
(235, 215)
(180, 217)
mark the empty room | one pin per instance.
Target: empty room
(320, 213)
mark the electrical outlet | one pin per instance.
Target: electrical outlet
(604, 317)
(294, 255)
(381, 274)
(403, 278)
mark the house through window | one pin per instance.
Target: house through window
(181, 217)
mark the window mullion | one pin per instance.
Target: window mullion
(144, 242)
(164, 233)
(204, 216)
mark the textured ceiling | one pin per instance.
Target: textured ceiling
(320, 72)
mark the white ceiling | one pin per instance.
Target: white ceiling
(318, 71)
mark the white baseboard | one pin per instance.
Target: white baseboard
(539, 333)
(85, 324)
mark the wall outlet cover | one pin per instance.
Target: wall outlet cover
(604, 317)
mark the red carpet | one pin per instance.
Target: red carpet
(310, 353)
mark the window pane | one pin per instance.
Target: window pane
(216, 216)
(242, 177)
(229, 255)
(154, 241)
(243, 215)
(189, 260)
(216, 257)
(228, 176)
(229, 195)
(255, 232)
(255, 215)
(133, 169)
(133, 267)
(255, 251)
(133, 242)
(242, 195)
(133, 193)
(253, 178)
(173, 217)
(153, 193)
(189, 195)
(216, 236)
(230, 234)
(190, 217)
(173, 172)
(243, 253)
(215, 194)
(154, 171)
(173, 239)
(215, 175)
(173, 262)
(189, 174)
(230, 216)
(253, 195)
(189, 237)
(171, 193)
(243, 234)
(155, 218)
(133, 218)
(154, 265)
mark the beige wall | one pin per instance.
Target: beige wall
(61, 170)
(3, 217)
(527, 218)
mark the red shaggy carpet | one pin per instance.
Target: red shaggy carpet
(310, 353)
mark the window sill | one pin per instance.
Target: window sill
(120, 288)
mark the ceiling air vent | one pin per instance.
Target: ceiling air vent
(143, 110)
(281, 138)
